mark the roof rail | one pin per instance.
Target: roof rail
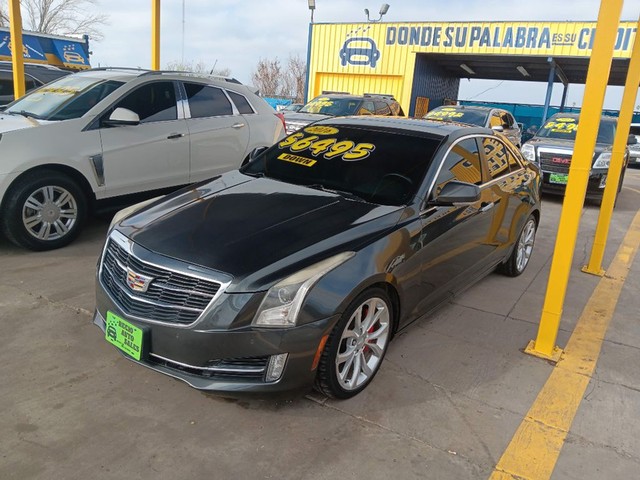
(330, 92)
(387, 95)
(193, 74)
(133, 69)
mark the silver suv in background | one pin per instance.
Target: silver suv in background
(35, 75)
(111, 132)
(634, 149)
(341, 105)
(495, 118)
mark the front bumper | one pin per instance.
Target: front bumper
(595, 185)
(226, 361)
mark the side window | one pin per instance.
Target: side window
(242, 104)
(382, 108)
(30, 82)
(514, 164)
(207, 101)
(396, 109)
(367, 108)
(506, 121)
(495, 153)
(511, 121)
(495, 120)
(153, 102)
(6, 83)
(462, 164)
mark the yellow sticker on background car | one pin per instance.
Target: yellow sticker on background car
(321, 130)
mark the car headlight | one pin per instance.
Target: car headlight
(126, 212)
(281, 304)
(603, 160)
(529, 152)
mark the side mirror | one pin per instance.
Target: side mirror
(122, 116)
(632, 140)
(255, 153)
(498, 128)
(455, 193)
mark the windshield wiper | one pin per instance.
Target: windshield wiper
(26, 114)
(343, 193)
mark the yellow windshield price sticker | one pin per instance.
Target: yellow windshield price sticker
(445, 114)
(321, 130)
(287, 157)
(562, 125)
(328, 147)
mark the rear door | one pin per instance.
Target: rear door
(218, 133)
(153, 154)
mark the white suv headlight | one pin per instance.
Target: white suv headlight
(603, 160)
(529, 152)
(281, 304)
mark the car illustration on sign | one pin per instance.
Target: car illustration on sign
(364, 50)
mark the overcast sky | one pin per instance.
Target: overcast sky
(235, 34)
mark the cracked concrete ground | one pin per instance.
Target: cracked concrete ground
(450, 395)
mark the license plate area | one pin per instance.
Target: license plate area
(558, 178)
(129, 338)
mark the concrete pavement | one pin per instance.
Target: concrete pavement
(450, 394)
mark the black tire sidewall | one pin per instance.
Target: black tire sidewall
(18, 193)
(327, 368)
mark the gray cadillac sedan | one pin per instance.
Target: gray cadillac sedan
(298, 268)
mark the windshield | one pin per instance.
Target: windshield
(566, 127)
(377, 166)
(68, 97)
(336, 107)
(455, 114)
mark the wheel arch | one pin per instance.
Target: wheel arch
(71, 172)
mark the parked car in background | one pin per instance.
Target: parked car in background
(634, 149)
(108, 133)
(292, 107)
(341, 105)
(35, 75)
(552, 149)
(299, 268)
(494, 118)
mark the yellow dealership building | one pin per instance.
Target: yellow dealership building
(421, 64)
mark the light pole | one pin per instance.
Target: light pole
(312, 7)
(383, 9)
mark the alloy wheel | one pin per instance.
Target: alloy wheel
(525, 244)
(49, 213)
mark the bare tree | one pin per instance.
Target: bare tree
(60, 17)
(296, 75)
(199, 67)
(267, 77)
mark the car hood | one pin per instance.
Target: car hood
(304, 117)
(9, 122)
(257, 230)
(562, 143)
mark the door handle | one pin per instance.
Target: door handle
(485, 207)
(175, 135)
(237, 125)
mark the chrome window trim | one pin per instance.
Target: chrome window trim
(211, 369)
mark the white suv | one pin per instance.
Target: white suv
(105, 133)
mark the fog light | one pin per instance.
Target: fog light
(276, 367)
(603, 181)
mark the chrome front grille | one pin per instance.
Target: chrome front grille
(170, 296)
(555, 162)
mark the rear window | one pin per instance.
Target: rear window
(336, 107)
(566, 128)
(455, 114)
(383, 167)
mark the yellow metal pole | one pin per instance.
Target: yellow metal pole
(617, 158)
(155, 34)
(597, 77)
(17, 58)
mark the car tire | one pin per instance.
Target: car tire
(44, 210)
(356, 346)
(521, 253)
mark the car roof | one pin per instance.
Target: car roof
(417, 125)
(356, 97)
(476, 108)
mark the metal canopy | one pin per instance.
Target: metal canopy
(495, 67)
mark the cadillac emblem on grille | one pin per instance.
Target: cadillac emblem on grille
(137, 282)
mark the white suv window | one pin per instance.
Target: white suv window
(207, 101)
(153, 102)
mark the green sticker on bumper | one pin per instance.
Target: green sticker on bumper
(560, 178)
(123, 335)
